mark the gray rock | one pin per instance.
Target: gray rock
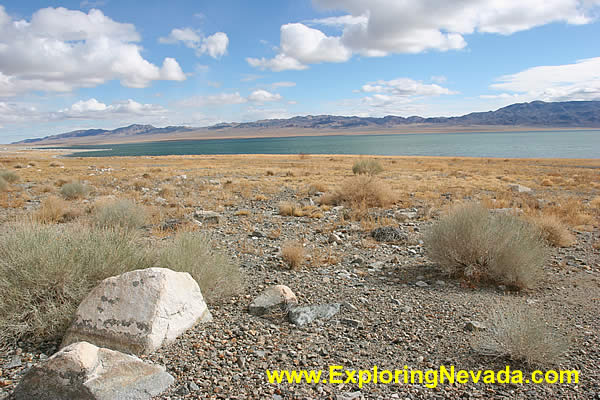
(389, 234)
(208, 217)
(475, 326)
(519, 188)
(139, 311)
(14, 362)
(421, 284)
(351, 322)
(303, 315)
(276, 300)
(83, 371)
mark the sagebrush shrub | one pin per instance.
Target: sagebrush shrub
(477, 245)
(3, 185)
(74, 190)
(367, 167)
(9, 176)
(120, 213)
(521, 333)
(47, 270)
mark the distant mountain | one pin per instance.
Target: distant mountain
(130, 130)
(537, 114)
(534, 114)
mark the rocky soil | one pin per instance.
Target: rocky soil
(396, 309)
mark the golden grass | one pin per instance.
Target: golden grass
(292, 253)
(553, 230)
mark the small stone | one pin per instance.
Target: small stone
(351, 322)
(472, 326)
(14, 362)
(208, 217)
(193, 387)
(304, 315)
(389, 234)
(274, 300)
(421, 284)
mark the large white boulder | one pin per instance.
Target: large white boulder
(139, 311)
(83, 371)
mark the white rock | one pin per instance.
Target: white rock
(519, 188)
(139, 311)
(83, 371)
(275, 299)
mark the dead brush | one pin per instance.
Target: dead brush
(289, 209)
(553, 230)
(292, 253)
(522, 334)
(55, 210)
(361, 190)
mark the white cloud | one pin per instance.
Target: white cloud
(214, 45)
(405, 87)
(263, 96)
(282, 84)
(223, 99)
(60, 50)
(382, 27)
(438, 79)
(578, 81)
(219, 99)
(93, 109)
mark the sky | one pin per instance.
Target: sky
(106, 63)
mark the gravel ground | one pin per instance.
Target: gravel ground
(397, 309)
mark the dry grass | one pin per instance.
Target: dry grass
(292, 253)
(477, 245)
(9, 176)
(361, 191)
(553, 230)
(290, 209)
(3, 185)
(56, 210)
(523, 334)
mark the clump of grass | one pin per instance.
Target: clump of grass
(74, 190)
(217, 275)
(360, 191)
(367, 167)
(56, 164)
(18, 166)
(54, 210)
(47, 270)
(522, 334)
(553, 230)
(3, 185)
(293, 254)
(316, 187)
(120, 213)
(472, 243)
(547, 182)
(9, 176)
(290, 209)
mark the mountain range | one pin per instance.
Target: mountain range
(536, 115)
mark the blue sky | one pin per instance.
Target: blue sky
(107, 63)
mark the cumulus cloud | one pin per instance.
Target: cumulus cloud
(283, 84)
(405, 87)
(93, 109)
(222, 99)
(214, 45)
(379, 28)
(578, 81)
(60, 50)
(263, 96)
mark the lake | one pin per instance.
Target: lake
(526, 144)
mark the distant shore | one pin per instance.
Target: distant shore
(244, 133)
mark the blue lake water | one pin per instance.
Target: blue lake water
(527, 144)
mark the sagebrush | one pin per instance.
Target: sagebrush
(120, 213)
(473, 243)
(367, 167)
(74, 190)
(47, 270)
(521, 333)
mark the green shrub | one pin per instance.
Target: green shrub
(477, 245)
(9, 176)
(193, 252)
(120, 213)
(522, 334)
(74, 190)
(47, 270)
(367, 167)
